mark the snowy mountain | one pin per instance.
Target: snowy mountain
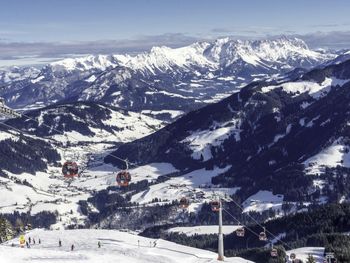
(269, 136)
(180, 79)
(87, 121)
(10, 74)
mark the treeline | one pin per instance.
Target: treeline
(6, 230)
(14, 224)
(323, 226)
(26, 155)
(42, 219)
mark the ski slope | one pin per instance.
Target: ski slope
(116, 246)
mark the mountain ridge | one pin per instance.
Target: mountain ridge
(182, 78)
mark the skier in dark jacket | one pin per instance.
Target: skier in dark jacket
(72, 247)
(60, 243)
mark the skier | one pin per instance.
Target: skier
(99, 244)
(28, 246)
(59, 243)
(33, 241)
(30, 240)
(72, 247)
(154, 243)
(39, 241)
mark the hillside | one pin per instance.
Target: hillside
(270, 134)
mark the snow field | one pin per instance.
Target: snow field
(336, 154)
(261, 201)
(116, 247)
(196, 186)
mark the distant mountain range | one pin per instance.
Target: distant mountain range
(164, 79)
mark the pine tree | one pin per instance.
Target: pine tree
(6, 231)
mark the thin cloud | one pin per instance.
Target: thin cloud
(11, 50)
(221, 30)
(326, 25)
(332, 39)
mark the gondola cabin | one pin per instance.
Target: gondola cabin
(215, 206)
(123, 178)
(274, 252)
(262, 236)
(184, 203)
(240, 232)
(70, 169)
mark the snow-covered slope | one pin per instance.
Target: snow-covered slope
(263, 200)
(9, 74)
(115, 247)
(336, 154)
(89, 122)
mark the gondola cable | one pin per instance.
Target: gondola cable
(276, 237)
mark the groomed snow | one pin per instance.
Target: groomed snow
(116, 247)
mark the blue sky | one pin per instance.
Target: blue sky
(55, 28)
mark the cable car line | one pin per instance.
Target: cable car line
(276, 237)
(248, 228)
